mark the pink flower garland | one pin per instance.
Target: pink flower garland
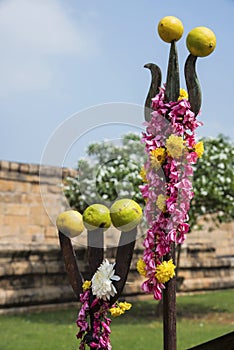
(172, 180)
(96, 336)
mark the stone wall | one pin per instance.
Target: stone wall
(31, 266)
(207, 260)
(32, 275)
(23, 215)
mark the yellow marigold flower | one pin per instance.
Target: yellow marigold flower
(116, 311)
(86, 285)
(125, 306)
(199, 149)
(165, 271)
(141, 267)
(161, 202)
(143, 174)
(175, 146)
(157, 157)
(183, 95)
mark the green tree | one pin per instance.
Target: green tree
(213, 182)
(112, 171)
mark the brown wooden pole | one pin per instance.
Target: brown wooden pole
(169, 310)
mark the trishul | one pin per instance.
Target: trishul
(172, 89)
(172, 93)
(95, 239)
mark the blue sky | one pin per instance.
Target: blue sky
(60, 58)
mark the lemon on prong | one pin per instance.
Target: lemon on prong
(201, 41)
(170, 29)
(70, 223)
(125, 214)
(97, 216)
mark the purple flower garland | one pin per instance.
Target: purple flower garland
(172, 180)
(99, 336)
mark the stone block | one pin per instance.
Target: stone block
(35, 230)
(36, 188)
(35, 257)
(34, 169)
(51, 232)
(14, 166)
(38, 216)
(33, 179)
(24, 168)
(10, 233)
(54, 266)
(10, 197)
(30, 199)
(7, 185)
(2, 270)
(55, 188)
(23, 187)
(17, 209)
(56, 255)
(3, 297)
(15, 221)
(2, 209)
(21, 267)
(38, 267)
(52, 202)
(49, 171)
(4, 165)
(38, 238)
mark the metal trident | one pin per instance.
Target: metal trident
(172, 92)
(95, 239)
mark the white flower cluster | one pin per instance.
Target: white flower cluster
(102, 285)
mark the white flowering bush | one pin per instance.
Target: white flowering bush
(112, 172)
(213, 182)
(108, 173)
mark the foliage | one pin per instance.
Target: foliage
(112, 171)
(213, 181)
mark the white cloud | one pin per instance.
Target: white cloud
(31, 32)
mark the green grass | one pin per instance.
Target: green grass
(200, 318)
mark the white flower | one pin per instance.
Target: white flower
(102, 285)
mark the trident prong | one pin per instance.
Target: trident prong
(192, 82)
(156, 79)
(172, 89)
(95, 258)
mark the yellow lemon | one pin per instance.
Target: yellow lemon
(170, 28)
(96, 216)
(201, 41)
(70, 223)
(125, 214)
